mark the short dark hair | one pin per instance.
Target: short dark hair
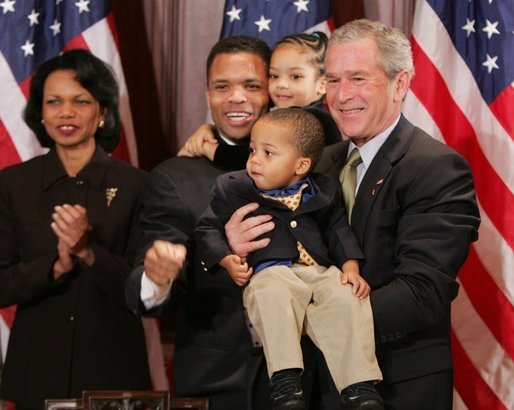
(239, 44)
(92, 74)
(316, 42)
(309, 136)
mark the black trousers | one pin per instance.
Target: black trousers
(430, 392)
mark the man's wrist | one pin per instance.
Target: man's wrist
(152, 294)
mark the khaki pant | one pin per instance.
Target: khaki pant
(282, 301)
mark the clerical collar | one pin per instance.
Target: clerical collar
(228, 140)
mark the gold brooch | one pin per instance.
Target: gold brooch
(110, 193)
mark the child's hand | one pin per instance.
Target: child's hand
(237, 269)
(360, 286)
(201, 144)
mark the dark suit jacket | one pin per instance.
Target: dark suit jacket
(319, 223)
(75, 333)
(332, 133)
(230, 156)
(214, 355)
(213, 351)
(415, 215)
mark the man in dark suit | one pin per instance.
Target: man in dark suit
(214, 355)
(415, 213)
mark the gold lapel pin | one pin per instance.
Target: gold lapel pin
(110, 193)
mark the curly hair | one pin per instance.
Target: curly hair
(309, 136)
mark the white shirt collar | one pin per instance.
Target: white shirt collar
(370, 148)
(226, 139)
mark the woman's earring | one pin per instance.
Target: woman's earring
(43, 121)
(101, 124)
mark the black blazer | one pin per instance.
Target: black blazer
(320, 223)
(75, 333)
(415, 216)
(319, 109)
(214, 355)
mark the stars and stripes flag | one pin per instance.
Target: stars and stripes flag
(272, 20)
(33, 31)
(463, 94)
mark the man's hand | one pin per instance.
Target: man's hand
(163, 261)
(237, 268)
(241, 232)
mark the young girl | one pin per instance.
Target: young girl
(297, 78)
(297, 70)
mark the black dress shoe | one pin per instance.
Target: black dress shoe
(286, 390)
(362, 396)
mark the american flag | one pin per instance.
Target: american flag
(463, 94)
(272, 20)
(33, 31)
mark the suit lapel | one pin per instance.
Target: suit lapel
(325, 193)
(333, 159)
(368, 192)
(243, 186)
(245, 189)
(376, 176)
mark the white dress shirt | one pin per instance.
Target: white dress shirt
(369, 150)
(153, 294)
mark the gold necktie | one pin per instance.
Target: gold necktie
(348, 179)
(293, 202)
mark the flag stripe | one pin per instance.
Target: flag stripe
(122, 150)
(492, 250)
(8, 315)
(8, 153)
(114, 32)
(108, 51)
(470, 385)
(435, 42)
(498, 259)
(500, 108)
(6, 321)
(454, 44)
(495, 310)
(494, 242)
(458, 403)
(12, 104)
(325, 26)
(496, 197)
(4, 337)
(483, 351)
(496, 256)
(77, 42)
